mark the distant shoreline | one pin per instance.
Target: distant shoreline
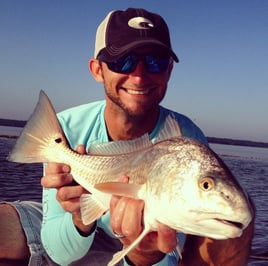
(215, 140)
(237, 142)
(12, 123)
(8, 136)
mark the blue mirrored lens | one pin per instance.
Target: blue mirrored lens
(156, 65)
(125, 64)
(128, 63)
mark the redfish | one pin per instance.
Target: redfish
(183, 183)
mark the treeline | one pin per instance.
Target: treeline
(12, 123)
(237, 142)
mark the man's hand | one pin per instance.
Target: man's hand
(127, 219)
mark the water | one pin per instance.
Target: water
(10, 131)
(18, 181)
(250, 166)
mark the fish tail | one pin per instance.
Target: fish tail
(36, 138)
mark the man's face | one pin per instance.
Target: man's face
(137, 93)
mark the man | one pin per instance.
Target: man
(133, 59)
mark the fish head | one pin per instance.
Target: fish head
(206, 198)
(222, 209)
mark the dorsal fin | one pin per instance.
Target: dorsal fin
(171, 129)
(121, 146)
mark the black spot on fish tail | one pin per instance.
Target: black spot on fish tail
(58, 140)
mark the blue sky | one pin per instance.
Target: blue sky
(221, 81)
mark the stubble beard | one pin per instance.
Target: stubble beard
(136, 115)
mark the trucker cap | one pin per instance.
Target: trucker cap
(122, 31)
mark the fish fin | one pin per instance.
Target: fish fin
(171, 129)
(91, 208)
(179, 251)
(119, 255)
(122, 146)
(119, 189)
(42, 127)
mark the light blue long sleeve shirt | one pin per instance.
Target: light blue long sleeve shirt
(85, 125)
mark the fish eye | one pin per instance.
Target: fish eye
(207, 183)
(58, 140)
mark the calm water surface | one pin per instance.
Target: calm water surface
(250, 166)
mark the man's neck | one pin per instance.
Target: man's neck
(122, 127)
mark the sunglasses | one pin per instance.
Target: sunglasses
(128, 63)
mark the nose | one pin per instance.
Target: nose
(140, 70)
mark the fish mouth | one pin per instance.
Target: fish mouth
(231, 223)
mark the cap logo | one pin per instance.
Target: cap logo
(140, 23)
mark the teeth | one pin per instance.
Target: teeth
(137, 92)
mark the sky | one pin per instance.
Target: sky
(221, 81)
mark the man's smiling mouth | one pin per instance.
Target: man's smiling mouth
(137, 92)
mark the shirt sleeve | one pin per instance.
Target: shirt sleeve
(60, 238)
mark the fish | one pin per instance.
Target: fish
(184, 183)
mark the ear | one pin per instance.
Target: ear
(95, 68)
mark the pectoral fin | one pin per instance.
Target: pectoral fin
(120, 189)
(91, 208)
